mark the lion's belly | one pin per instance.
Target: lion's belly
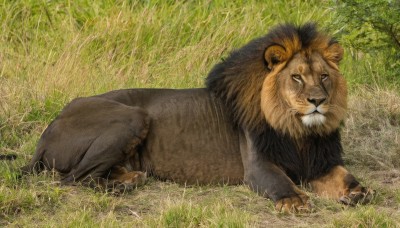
(192, 140)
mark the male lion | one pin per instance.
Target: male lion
(268, 117)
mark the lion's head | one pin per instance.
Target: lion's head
(289, 79)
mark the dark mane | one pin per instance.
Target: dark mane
(317, 156)
(238, 80)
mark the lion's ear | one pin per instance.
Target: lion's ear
(275, 54)
(334, 53)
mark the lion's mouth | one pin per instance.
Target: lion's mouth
(314, 118)
(319, 110)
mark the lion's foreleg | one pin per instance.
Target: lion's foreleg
(268, 180)
(340, 185)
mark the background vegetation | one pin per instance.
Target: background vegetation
(54, 51)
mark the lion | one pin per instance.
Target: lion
(269, 117)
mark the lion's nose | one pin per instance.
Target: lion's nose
(316, 101)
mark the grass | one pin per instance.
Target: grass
(54, 51)
(365, 217)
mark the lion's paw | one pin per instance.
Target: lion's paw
(128, 182)
(294, 204)
(137, 178)
(358, 195)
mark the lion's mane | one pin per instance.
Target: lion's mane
(238, 82)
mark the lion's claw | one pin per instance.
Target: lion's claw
(362, 196)
(293, 204)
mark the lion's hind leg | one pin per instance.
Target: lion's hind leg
(100, 166)
(91, 137)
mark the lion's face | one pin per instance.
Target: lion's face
(305, 95)
(306, 87)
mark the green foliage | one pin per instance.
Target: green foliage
(371, 24)
(372, 27)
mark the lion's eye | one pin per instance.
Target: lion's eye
(324, 77)
(296, 77)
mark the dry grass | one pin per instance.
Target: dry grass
(372, 133)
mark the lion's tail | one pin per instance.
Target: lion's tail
(8, 157)
(35, 165)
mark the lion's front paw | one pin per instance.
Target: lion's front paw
(294, 204)
(358, 195)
